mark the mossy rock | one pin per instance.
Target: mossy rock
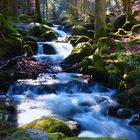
(128, 25)
(121, 32)
(49, 125)
(79, 53)
(94, 138)
(135, 28)
(107, 44)
(134, 41)
(93, 65)
(79, 30)
(49, 35)
(40, 29)
(131, 97)
(10, 48)
(74, 40)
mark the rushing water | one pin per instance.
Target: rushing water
(69, 96)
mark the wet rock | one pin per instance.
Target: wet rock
(135, 120)
(124, 113)
(30, 134)
(48, 49)
(112, 110)
(11, 109)
(74, 127)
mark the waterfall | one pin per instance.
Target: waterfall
(40, 48)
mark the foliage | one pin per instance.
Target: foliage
(6, 25)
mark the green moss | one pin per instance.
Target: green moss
(79, 30)
(100, 33)
(121, 32)
(93, 64)
(135, 28)
(49, 125)
(49, 35)
(106, 44)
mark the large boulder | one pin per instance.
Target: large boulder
(49, 125)
(74, 40)
(108, 45)
(48, 49)
(49, 35)
(79, 30)
(79, 53)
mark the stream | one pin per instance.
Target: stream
(68, 96)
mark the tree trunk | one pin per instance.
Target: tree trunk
(127, 4)
(100, 18)
(47, 9)
(38, 12)
(14, 7)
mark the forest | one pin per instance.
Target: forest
(69, 69)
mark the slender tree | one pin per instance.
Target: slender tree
(38, 11)
(127, 4)
(100, 18)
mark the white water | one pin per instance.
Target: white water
(69, 96)
(61, 34)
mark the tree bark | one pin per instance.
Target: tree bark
(38, 11)
(100, 18)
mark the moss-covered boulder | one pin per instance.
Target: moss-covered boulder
(74, 40)
(108, 45)
(49, 125)
(79, 30)
(135, 28)
(131, 97)
(11, 47)
(93, 65)
(121, 32)
(40, 29)
(79, 53)
(49, 35)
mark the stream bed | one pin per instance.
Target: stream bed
(68, 96)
